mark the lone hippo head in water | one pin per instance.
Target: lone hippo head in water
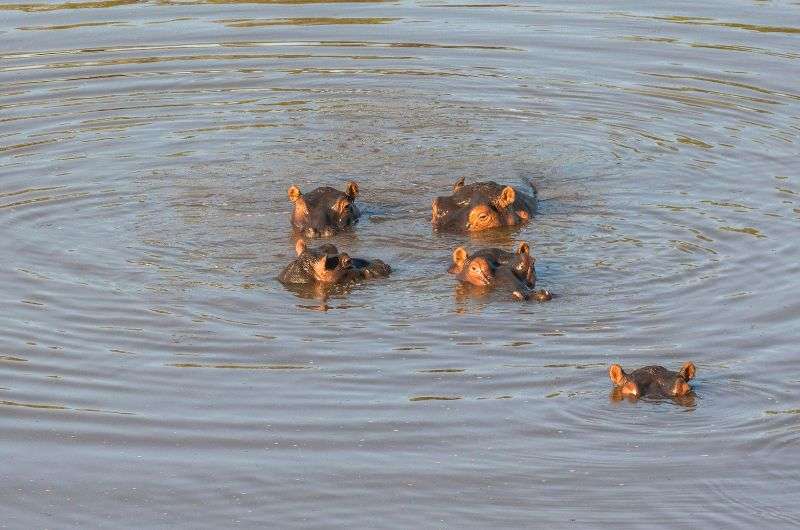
(324, 211)
(326, 265)
(499, 270)
(652, 381)
(481, 206)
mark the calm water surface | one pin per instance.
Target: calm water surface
(154, 373)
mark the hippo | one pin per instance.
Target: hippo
(481, 206)
(326, 265)
(324, 211)
(520, 262)
(499, 270)
(652, 381)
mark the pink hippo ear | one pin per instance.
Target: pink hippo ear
(458, 185)
(524, 248)
(300, 246)
(294, 193)
(460, 255)
(300, 206)
(506, 197)
(687, 371)
(351, 190)
(617, 374)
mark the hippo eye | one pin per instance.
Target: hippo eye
(483, 217)
(341, 206)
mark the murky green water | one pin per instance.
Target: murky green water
(153, 373)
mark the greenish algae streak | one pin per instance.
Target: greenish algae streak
(744, 230)
(242, 366)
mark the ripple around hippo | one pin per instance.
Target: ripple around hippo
(146, 149)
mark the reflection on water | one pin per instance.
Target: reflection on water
(687, 401)
(153, 367)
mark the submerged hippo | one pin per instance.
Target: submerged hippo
(652, 381)
(498, 269)
(481, 206)
(324, 211)
(326, 265)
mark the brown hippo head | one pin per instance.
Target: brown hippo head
(521, 263)
(325, 264)
(652, 381)
(322, 264)
(499, 270)
(481, 206)
(324, 211)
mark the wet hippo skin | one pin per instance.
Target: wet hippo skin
(326, 265)
(324, 211)
(482, 206)
(521, 262)
(500, 270)
(652, 381)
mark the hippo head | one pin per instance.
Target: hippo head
(480, 206)
(325, 264)
(324, 211)
(479, 269)
(652, 381)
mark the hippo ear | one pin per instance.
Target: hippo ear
(507, 197)
(294, 193)
(617, 374)
(524, 248)
(460, 256)
(351, 190)
(458, 185)
(300, 246)
(687, 371)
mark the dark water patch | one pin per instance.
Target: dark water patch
(70, 5)
(318, 21)
(12, 359)
(243, 366)
(435, 398)
(45, 406)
